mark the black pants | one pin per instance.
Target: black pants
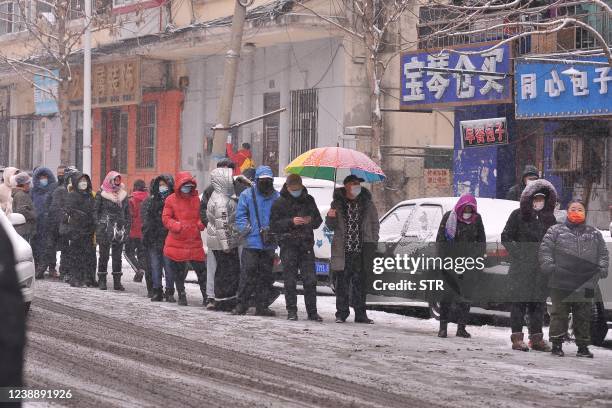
(255, 276)
(453, 297)
(135, 252)
(181, 269)
(80, 256)
(227, 278)
(294, 258)
(54, 243)
(535, 312)
(105, 250)
(350, 287)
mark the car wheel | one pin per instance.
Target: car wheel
(599, 326)
(26, 307)
(434, 310)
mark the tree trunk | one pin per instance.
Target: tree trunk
(64, 116)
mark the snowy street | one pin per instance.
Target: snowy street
(119, 349)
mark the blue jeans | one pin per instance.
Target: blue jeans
(159, 261)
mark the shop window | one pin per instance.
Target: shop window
(25, 144)
(304, 119)
(146, 140)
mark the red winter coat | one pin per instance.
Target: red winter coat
(135, 201)
(181, 216)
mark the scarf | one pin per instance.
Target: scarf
(456, 215)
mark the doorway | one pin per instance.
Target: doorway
(270, 131)
(114, 146)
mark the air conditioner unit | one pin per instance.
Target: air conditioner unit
(567, 154)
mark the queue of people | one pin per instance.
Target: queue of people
(246, 219)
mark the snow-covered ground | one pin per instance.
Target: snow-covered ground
(399, 357)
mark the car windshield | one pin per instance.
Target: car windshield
(393, 224)
(424, 222)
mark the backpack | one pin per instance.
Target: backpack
(248, 163)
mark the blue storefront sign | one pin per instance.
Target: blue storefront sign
(46, 87)
(557, 90)
(423, 88)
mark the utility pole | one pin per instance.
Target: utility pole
(229, 82)
(87, 91)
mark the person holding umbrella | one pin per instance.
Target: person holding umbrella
(353, 218)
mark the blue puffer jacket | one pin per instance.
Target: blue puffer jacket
(40, 194)
(246, 220)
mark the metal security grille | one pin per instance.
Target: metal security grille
(147, 136)
(304, 115)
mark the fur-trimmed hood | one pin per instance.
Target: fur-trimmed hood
(538, 186)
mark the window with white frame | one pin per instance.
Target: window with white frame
(10, 17)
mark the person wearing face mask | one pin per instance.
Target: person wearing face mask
(112, 213)
(353, 218)
(56, 203)
(154, 235)
(253, 221)
(78, 227)
(183, 245)
(293, 219)
(22, 204)
(521, 237)
(461, 234)
(573, 255)
(43, 185)
(222, 239)
(530, 173)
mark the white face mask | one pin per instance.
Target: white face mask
(82, 185)
(355, 190)
(467, 216)
(538, 206)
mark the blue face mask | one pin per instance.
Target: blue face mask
(163, 190)
(296, 193)
(186, 189)
(44, 182)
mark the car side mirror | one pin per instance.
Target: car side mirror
(16, 219)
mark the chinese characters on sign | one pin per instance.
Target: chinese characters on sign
(45, 93)
(422, 88)
(549, 90)
(437, 178)
(113, 84)
(483, 132)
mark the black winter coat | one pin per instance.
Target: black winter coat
(79, 222)
(281, 219)
(108, 213)
(522, 236)
(574, 256)
(470, 239)
(153, 231)
(55, 204)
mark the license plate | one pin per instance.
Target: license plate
(322, 268)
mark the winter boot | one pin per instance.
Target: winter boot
(557, 349)
(40, 272)
(158, 295)
(267, 312)
(517, 342)
(102, 281)
(211, 304)
(150, 291)
(315, 317)
(461, 332)
(364, 320)
(139, 275)
(537, 343)
(292, 315)
(182, 298)
(117, 282)
(583, 351)
(239, 310)
(170, 295)
(443, 329)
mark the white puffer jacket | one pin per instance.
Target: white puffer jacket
(221, 212)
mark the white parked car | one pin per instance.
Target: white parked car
(24, 265)
(414, 223)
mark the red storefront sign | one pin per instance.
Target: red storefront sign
(483, 132)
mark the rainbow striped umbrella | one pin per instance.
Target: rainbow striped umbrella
(323, 162)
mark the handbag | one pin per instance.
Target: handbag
(267, 238)
(114, 232)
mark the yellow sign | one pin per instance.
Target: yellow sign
(112, 84)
